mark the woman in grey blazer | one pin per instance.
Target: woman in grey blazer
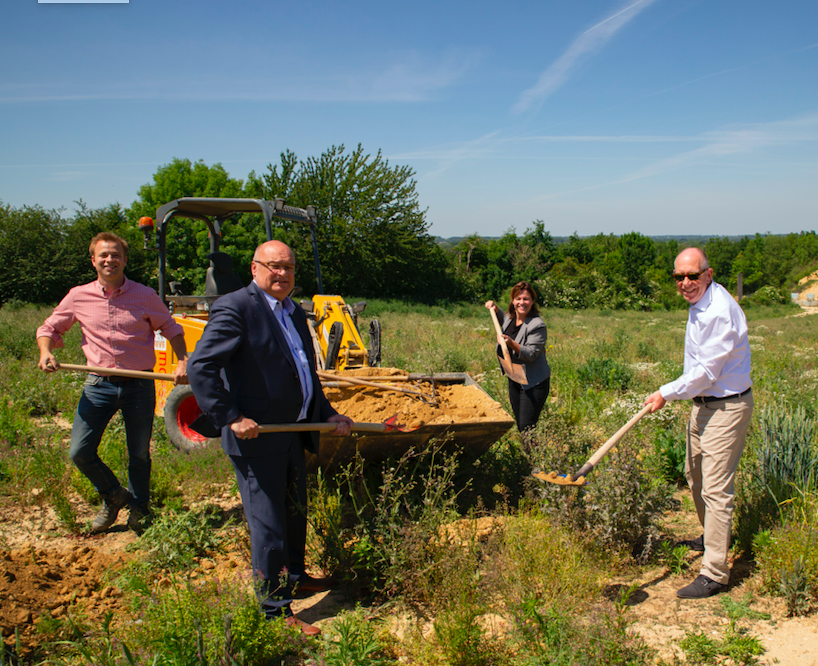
(525, 334)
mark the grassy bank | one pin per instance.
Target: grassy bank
(489, 566)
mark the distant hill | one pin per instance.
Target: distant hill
(685, 240)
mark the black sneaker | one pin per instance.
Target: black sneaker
(696, 544)
(111, 504)
(701, 588)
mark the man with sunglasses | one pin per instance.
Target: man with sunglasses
(717, 378)
(254, 365)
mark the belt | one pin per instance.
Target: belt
(704, 399)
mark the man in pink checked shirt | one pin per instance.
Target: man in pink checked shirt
(118, 318)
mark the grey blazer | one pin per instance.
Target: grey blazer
(531, 338)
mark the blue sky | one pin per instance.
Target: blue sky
(657, 116)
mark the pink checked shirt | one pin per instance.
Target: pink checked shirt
(117, 327)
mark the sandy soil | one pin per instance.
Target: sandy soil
(427, 404)
(811, 289)
(43, 572)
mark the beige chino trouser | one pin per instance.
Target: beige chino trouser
(715, 442)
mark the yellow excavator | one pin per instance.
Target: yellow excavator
(336, 340)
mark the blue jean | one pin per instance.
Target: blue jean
(101, 398)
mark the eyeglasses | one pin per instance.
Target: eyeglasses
(276, 268)
(690, 276)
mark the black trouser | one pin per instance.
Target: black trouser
(528, 404)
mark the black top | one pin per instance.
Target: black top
(511, 331)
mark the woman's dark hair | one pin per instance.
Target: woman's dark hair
(515, 290)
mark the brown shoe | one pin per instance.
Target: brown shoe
(111, 504)
(306, 585)
(306, 629)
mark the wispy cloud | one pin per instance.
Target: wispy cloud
(719, 145)
(451, 154)
(586, 44)
(405, 77)
(494, 145)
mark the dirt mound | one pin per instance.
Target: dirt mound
(41, 583)
(441, 404)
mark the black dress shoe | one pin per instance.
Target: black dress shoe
(307, 585)
(701, 588)
(696, 544)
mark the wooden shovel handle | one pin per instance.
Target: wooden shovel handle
(117, 372)
(607, 446)
(362, 382)
(319, 427)
(500, 337)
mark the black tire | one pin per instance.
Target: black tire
(181, 410)
(336, 334)
(375, 343)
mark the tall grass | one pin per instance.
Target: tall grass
(408, 531)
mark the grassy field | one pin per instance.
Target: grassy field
(489, 566)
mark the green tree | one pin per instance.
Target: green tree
(187, 240)
(638, 256)
(373, 237)
(33, 255)
(750, 262)
(534, 255)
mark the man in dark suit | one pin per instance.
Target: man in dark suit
(254, 364)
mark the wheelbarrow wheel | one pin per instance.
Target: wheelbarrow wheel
(181, 409)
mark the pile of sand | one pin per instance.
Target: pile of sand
(453, 403)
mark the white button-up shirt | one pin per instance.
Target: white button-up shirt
(282, 311)
(717, 351)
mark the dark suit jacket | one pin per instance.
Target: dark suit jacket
(243, 366)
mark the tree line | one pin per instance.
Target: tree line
(374, 242)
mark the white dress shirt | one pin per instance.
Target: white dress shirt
(717, 351)
(282, 311)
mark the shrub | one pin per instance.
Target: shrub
(605, 374)
(536, 557)
(620, 507)
(381, 525)
(671, 452)
(353, 639)
(548, 635)
(782, 457)
(766, 295)
(177, 538)
(211, 623)
(735, 648)
(787, 556)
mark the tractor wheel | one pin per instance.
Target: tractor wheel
(181, 410)
(336, 334)
(375, 343)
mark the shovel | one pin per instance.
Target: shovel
(204, 426)
(514, 371)
(387, 426)
(578, 478)
(116, 372)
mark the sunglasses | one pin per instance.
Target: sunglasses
(690, 276)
